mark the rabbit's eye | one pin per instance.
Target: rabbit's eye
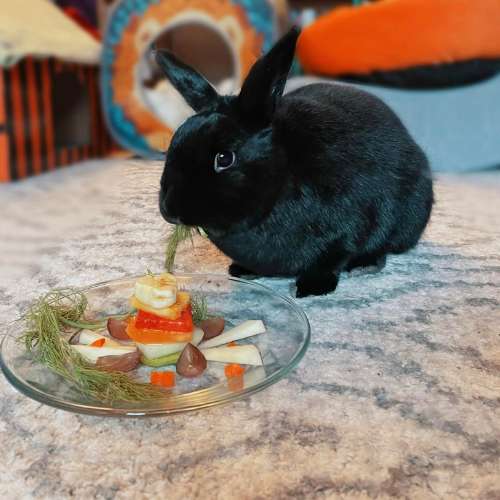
(224, 160)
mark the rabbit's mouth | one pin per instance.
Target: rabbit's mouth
(165, 211)
(172, 219)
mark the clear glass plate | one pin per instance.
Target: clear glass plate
(282, 347)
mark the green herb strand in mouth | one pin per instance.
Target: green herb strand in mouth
(45, 322)
(179, 234)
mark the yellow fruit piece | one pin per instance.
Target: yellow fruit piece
(172, 312)
(158, 292)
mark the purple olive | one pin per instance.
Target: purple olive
(191, 362)
(120, 363)
(117, 328)
(212, 327)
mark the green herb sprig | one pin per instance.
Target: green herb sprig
(45, 323)
(199, 308)
(179, 234)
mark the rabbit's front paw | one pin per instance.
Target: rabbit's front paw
(367, 264)
(240, 272)
(316, 285)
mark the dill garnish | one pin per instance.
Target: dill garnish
(199, 308)
(179, 234)
(45, 323)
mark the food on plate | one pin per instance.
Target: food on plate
(157, 335)
(234, 370)
(87, 337)
(246, 329)
(161, 327)
(165, 379)
(117, 328)
(92, 353)
(48, 322)
(157, 292)
(234, 374)
(191, 362)
(168, 326)
(249, 356)
(162, 332)
(147, 320)
(169, 312)
(168, 359)
(241, 354)
(152, 351)
(121, 363)
(212, 327)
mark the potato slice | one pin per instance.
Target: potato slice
(90, 353)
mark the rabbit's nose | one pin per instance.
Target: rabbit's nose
(168, 216)
(173, 220)
(166, 207)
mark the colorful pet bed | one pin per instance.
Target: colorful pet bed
(406, 43)
(50, 112)
(141, 109)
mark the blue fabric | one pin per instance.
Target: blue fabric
(458, 128)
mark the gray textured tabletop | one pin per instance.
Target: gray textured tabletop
(398, 395)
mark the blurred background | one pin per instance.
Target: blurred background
(77, 79)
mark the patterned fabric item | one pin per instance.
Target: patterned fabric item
(247, 26)
(396, 35)
(39, 28)
(50, 116)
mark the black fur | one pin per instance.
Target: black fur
(197, 92)
(326, 178)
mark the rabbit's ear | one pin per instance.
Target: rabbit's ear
(266, 81)
(195, 89)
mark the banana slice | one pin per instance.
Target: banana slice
(156, 291)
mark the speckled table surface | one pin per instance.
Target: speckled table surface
(398, 395)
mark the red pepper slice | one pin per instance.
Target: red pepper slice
(149, 321)
(165, 379)
(148, 336)
(234, 370)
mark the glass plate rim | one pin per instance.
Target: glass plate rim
(88, 409)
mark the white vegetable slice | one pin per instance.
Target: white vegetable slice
(241, 354)
(152, 351)
(92, 353)
(246, 329)
(86, 337)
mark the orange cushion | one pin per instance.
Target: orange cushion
(399, 34)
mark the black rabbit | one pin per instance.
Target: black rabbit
(309, 184)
